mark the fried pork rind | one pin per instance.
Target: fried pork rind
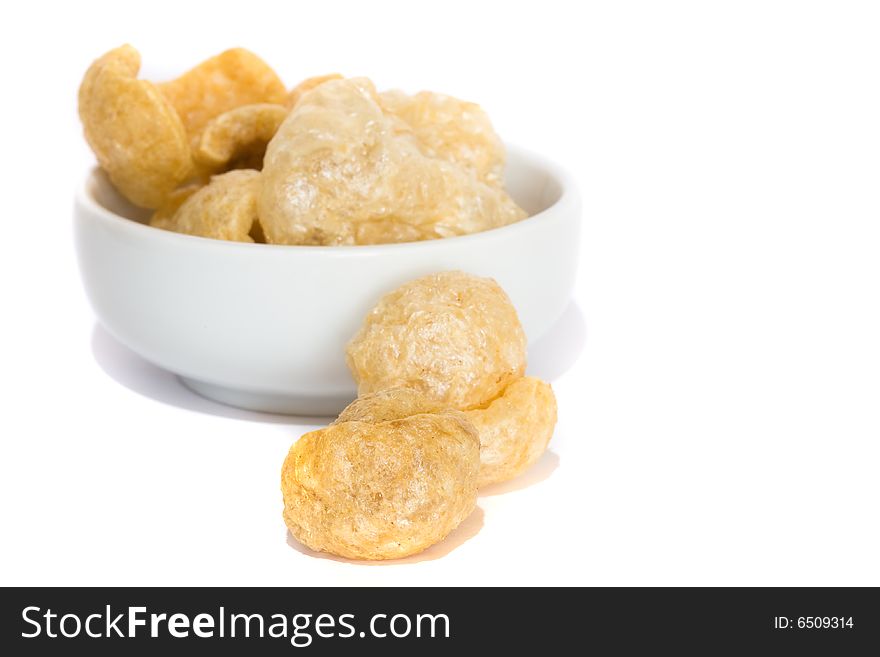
(340, 171)
(383, 490)
(454, 337)
(231, 79)
(238, 136)
(514, 429)
(224, 209)
(307, 85)
(451, 129)
(136, 135)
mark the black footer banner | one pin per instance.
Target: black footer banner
(427, 621)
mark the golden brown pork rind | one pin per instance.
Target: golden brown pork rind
(231, 79)
(452, 336)
(224, 209)
(382, 490)
(135, 133)
(339, 171)
(514, 429)
(451, 129)
(239, 135)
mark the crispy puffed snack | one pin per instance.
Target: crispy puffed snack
(224, 209)
(382, 490)
(339, 171)
(514, 429)
(451, 129)
(163, 217)
(452, 336)
(307, 85)
(238, 136)
(231, 79)
(135, 133)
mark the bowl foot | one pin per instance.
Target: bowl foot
(327, 406)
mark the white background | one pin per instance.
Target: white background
(718, 376)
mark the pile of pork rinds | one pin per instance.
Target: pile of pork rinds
(226, 151)
(444, 409)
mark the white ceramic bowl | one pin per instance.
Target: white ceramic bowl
(264, 327)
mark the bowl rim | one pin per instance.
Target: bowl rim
(569, 200)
